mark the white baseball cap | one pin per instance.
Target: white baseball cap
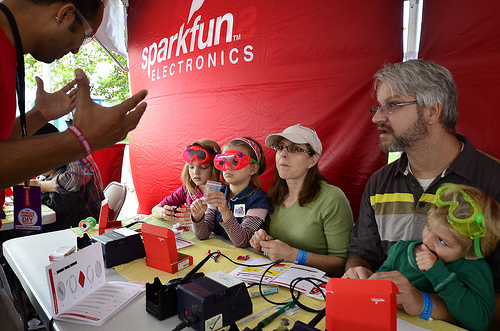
(297, 134)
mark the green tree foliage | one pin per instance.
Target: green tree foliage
(107, 80)
(114, 86)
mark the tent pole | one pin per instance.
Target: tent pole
(414, 25)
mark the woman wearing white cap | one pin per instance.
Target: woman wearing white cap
(312, 219)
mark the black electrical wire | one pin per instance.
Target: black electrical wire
(319, 316)
(272, 263)
(131, 224)
(293, 283)
(260, 285)
(193, 319)
(311, 280)
(190, 274)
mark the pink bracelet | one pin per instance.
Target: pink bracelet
(81, 138)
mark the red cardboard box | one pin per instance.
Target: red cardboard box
(161, 250)
(361, 304)
(104, 223)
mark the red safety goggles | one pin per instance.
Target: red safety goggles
(235, 160)
(202, 155)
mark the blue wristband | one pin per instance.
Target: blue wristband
(301, 257)
(427, 310)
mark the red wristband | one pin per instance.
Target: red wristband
(81, 138)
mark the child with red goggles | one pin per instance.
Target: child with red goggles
(235, 160)
(197, 170)
(202, 155)
(241, 210)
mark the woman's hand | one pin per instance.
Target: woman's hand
(276, 249)
(198, 209)
(257, 238)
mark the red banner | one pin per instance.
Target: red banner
(464, 37)
(222, 69)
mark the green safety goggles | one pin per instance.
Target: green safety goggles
(473, 226)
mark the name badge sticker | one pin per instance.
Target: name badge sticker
(239, 210)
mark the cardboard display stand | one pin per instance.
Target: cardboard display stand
(161, 249)
(356, 304)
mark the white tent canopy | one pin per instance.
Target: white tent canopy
(112, 32)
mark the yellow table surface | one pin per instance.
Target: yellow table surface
(137, 270)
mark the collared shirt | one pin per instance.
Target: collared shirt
(394, 206)
(76, 177)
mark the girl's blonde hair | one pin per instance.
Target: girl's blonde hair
(490, 211)
(240, 143)
(211, 146)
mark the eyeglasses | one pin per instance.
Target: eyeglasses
(290, 149)
(89, 33)
(386, 108)
(202, 155)
(473, 226)
(235, 160)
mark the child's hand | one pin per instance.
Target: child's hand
(425, 258)
(183, 216)
(217, 199)
(198, 209)
(168, 213)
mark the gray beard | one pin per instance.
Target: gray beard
(406, 140)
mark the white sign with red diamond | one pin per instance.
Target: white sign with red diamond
(79, 290)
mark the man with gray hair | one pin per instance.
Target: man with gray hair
(417, 115)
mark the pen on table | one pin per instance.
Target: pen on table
(271, 317)
(267, 291)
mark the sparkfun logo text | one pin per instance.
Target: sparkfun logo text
(165, 58)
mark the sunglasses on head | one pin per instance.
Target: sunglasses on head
(235, 160)
(201, 155)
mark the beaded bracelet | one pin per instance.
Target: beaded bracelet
(427, 310)
(81, 138)
(301, 257)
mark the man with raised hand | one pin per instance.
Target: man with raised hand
(49, 29)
